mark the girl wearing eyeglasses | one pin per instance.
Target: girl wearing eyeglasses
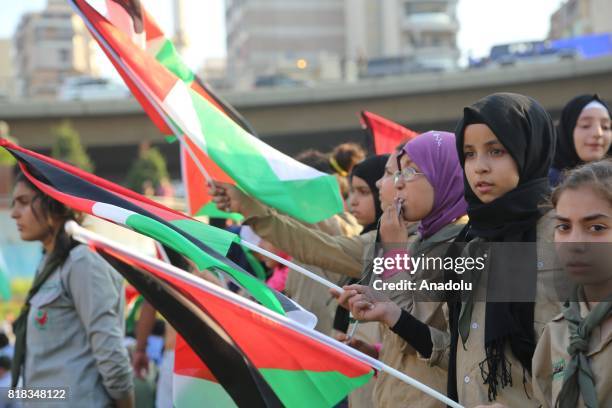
(505, 144)
(339, 257)
(429, 191)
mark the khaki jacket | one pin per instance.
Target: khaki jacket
(390, 392)
(76, 330)
(286, 234)
(313, 244)
(470, 387)
(551, 357)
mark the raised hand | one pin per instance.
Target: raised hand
(367, 304)
(360, 345)
(226, 196)
(392, 227)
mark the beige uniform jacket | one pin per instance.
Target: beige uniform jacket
(390, 392)
(290, 236)
(551, 357)
(470, 387)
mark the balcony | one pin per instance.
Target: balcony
(430, 22)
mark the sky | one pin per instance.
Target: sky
(484, 23)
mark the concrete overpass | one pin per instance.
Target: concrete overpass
(322, 116)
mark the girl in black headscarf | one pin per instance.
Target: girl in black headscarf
(583, 135)
(364, 204)
(362, 181)
(505, 143)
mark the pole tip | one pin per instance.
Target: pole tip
(71, 227)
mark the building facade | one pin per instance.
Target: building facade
(6, 69)
(49, 46)
(328, 39)
(295, 37)
(423, 31)
(581, 17)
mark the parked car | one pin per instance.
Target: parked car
(88, 88)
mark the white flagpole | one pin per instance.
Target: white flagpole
(291, 265)
(83, 235)
(153, 100)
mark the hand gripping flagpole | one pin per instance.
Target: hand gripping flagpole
(156, 105)
(82, 235)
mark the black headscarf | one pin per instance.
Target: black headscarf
(566, 156)
(526, 130)
(371, 170)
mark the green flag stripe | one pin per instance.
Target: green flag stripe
(173, 239)
(212, 211)
(259, 270)
(169, 58)
(303, 388)
(216, 238)
(307, 199)
(196, 392)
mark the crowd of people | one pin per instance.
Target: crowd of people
(507, 175)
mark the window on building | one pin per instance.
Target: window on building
(433, 39)
(411, 8)
(64, 55)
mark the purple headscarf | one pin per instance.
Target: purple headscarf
(436, 155)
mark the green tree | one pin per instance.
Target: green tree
(149, 168)
(67, 146)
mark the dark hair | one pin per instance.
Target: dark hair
(4, 340)
(315, 159)
(597, 175)
(347, 155)
(5, 363)
(49, 207)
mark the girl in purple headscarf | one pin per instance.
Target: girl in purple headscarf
(429, 190)
(430, 182)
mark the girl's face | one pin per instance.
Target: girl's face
(416, 193)
(592, 134)
(386, 190)
(24, 211)
(361, 202)
(583, 233)
(583, 215)
(489, 168)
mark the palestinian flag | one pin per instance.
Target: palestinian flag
(133, 304)
(234, 352)
(203, 244)
(199, 201)
(192, 158)
(169, 98)
(384, 135)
